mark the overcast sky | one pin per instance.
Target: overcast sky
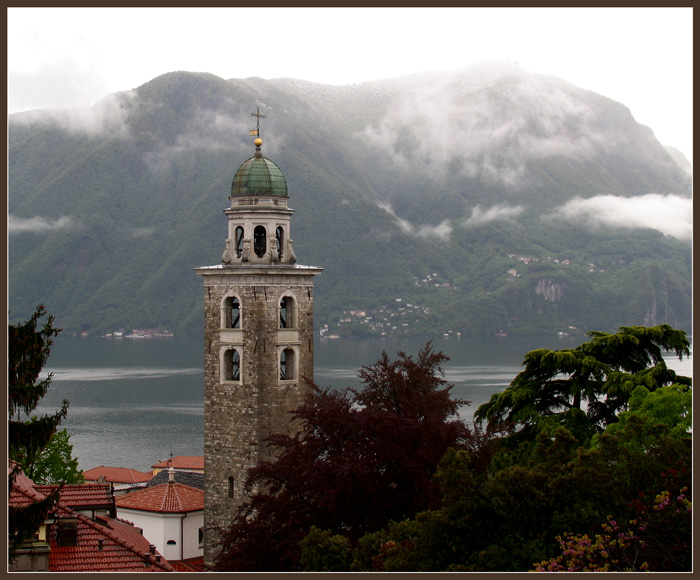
(72, 57)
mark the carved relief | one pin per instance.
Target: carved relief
(227, 256)
(245, 253)
(290, 257)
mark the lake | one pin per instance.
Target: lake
(133, 402)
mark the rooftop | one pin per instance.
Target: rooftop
(103, 545)
(164, 498)
(182, 462)
(189, 478)
(81, 496)
(116, 474)
(259, 176)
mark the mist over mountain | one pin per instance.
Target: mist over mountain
(488, 199)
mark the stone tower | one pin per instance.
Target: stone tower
(258, 338)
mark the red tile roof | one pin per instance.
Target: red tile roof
(117, 474)
(22, 496)
(81, 496)
(164, 498)
(189, 565)
(182, 462)
(107, 545)
(101, 548)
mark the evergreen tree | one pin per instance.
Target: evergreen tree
(585, 388)
(28, 351)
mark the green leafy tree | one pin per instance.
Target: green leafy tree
(55, 463)
(671, 406)
(519, 515)
(584, 388)
(28, 351)
(322, 551)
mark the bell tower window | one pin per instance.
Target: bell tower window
(232, 365)
(232, 312)
(287, 312)
(259, 241)
(280, 240)
(287, 364)
(239, 241)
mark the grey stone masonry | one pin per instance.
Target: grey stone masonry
(255, 374)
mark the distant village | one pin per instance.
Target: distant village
(401, 317)
(136, 333)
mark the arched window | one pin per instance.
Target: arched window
(232, 312)
(283, 312)
(230, 486)
(287, 312)
(280, 240)
(239, 241)
(232, 365)
(287, 370)
(259, 241)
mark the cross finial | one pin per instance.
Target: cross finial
(256, 131)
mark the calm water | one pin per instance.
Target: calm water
(134, 401)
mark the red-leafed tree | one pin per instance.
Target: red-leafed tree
(361, 459)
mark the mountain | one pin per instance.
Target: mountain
(488, 199)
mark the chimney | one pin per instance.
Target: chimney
(171, 475)
(152, 548)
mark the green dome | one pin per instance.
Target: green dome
(259, 176)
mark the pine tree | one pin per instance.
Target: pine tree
(28, 351)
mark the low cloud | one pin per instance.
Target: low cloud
(670, 214)
(37, 225)
(490, 119)
(106, 116)
(495, 213)
(440, 232)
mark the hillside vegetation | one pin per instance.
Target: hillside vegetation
(475, 196)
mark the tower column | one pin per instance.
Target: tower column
(258, 340)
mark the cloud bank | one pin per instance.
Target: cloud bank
(38, 224)
(441, 231)
(495, 213)
(108, 115)
(492, 117)
(670, 214)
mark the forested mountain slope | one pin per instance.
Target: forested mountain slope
(488, 199)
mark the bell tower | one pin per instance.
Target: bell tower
(258, 338)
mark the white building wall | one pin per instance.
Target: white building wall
(159, 529)
(192, 547)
